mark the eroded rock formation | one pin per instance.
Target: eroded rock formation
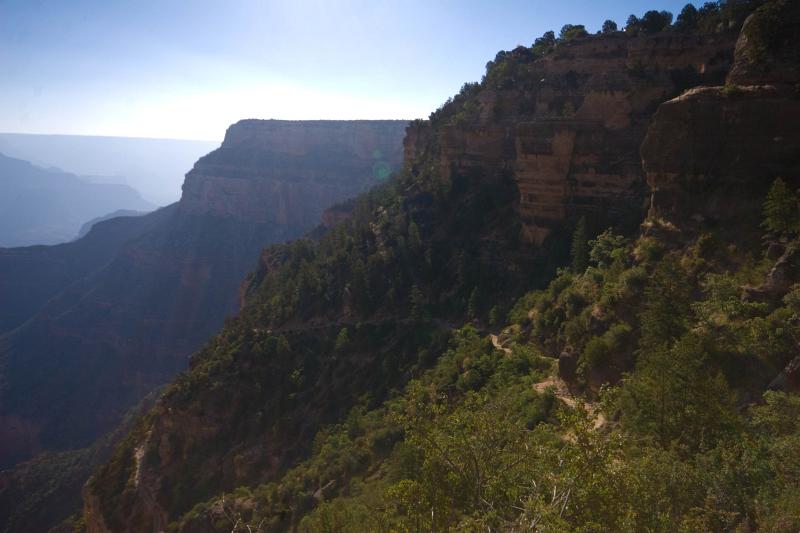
(712, 153)
(569, 127)
(125, 322)
(565, 131)
(266, 169)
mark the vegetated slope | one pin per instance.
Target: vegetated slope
(38, 494)
(113, 333)
(335, 327)
(29, 276)
(39, 206)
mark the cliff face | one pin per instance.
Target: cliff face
(266, 168)
(127, 321)
(540, 142)
(711, 154)
(569, 126)
(353, 316)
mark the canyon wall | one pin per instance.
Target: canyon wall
(266, 169)
(540, 142)
(712, 153)
(568, 127)
(126, 321)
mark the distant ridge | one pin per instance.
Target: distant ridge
(49, 206)
(155, 167)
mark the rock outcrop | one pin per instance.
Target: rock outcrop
(569, 126)
(767, 52)
(712, 153)
(115, 325)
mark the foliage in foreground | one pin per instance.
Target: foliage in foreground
(480, 442)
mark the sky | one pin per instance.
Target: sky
(187, 69)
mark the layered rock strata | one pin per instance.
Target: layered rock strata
(569, 127)
(125, 322)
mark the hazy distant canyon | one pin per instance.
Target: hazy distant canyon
(154, 167)
(94, 325)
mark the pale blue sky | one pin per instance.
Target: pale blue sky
(189, 68)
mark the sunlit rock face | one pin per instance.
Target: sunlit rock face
(121, 323)
(568, 128)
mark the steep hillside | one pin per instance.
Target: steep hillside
(31, 275)
(40, 206)
(342, 399)
(567, 127)
(113, 330)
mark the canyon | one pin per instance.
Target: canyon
(565, 283)
(49, 206)
(604, 128)
(91, 327)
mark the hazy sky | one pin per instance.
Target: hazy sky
(189, 68)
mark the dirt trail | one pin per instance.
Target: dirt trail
(560, 390)
(496, 343)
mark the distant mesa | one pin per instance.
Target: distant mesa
(50, 206)
(154, 167)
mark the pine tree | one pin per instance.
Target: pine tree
(414, 240)
(474, 304)
(418, 310)
(687, 19)
(342, 340)
(494, 316)
(780, 209)
(580, 248)
(667, 307)
(609, 26)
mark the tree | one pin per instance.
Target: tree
(579, 252)
(474, 305)
(607, 247)
(494, 316)
(544, 44)
(687, 18)
(572, 31)
(655, 21)
(418, 304)
(675, 396)
(359, 284)
(609, 26)
(780, 209)
(633, 24)
(414, 240)
(667, 306)
(547, 39)
(476, 460)
(342, 340)
(708, 9)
